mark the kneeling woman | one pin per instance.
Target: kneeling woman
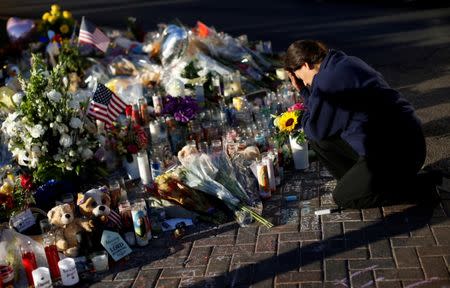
(363, 131)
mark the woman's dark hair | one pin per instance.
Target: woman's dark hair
(304, 51)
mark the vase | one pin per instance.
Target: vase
(132, 167)
(299, 153)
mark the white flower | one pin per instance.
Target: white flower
(75, 123)
(65, 81)
(175, 88)
(72, 153)
(65, 140)
(87, 154)
(37, 131)
(54, 96)
(59, 118)
(74, 104)
(17, 98)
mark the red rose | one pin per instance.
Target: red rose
(133, 149)
(128, 110)
(26, 181)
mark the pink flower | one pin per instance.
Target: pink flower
(297, 106)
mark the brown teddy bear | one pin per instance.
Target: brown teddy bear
(68, 226)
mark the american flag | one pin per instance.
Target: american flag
(105, 105)
(90, 34)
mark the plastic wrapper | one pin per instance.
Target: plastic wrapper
(173, 44)
(10, 242)
(245, 176)
(97, 73)
(120, 65)
(128, 88)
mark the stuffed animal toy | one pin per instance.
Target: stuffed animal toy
(68, 226)
(95, 204)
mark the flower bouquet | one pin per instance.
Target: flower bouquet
(48, 133)
(59, 22)
(183, 109)
(288, 126)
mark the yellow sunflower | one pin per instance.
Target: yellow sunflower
(287, 121)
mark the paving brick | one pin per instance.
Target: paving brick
(183, 272)
(218, 265)
(440, 222)
(118, 284)
(266, 283)
(166, 262)
(442, 235)
(447, 260)
(389, 284)
(310, 285)
(433, 251)
(167, 283)
(435, 267)
(349, 254)
(247, 235)
(406, 257)
(289, 254)
(354, 239)
(199, 256)
(252, 258)
(428, 283)
(241, 275)
(181, 250)
(334, 230)
(311, 255)
(399, 274)
(287, 286)
(215, 241)
(342, 217)
(146, 278)
(129, 274)
(371, 214)
(375, 263)
(286, 228)
(230, 250)
(422, 232)
(359, 225)
(297, 277)
(380, 249)
(300, 236)
(364, 279)
(267, 243)
(413, 242)
(335, 270)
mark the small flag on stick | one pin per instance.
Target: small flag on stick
(105, 105)
(90, 34)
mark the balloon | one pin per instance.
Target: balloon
(6, 98)
(19, 29)
(174, 44)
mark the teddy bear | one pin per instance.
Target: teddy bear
(68, 227)
(95, 204)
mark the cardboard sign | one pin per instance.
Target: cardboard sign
(115, 245)
(23, 220)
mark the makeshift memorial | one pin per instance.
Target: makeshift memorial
(67, 227)
(288, 125)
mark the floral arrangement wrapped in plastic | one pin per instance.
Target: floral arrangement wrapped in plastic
(201, 173)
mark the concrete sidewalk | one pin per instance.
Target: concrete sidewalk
(395, 246)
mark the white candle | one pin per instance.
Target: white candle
(100, 262)
(144, 167)
(41, 278)
(69, 274)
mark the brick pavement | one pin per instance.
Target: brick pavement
(395, 246)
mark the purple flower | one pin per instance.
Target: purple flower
(183, 109)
